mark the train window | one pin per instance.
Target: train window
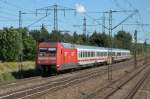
(113, 53)
(88, 54)
(92, 54)
(105, 53)
(118, 54)
(43, 50)
(79, 54)
(50, 51)
(97, 53)
(83, 53)
(102, 53)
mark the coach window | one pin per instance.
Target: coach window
(105, 54)
(101, 53)
(118, 54)
(88, 54)
(93, 54)
(113, 53)
(81, 54)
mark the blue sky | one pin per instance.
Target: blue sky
(9, 14)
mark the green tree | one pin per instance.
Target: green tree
(29, 50)
(44, 35)
(56, 36)
(123, 40)
(35, 34)
(99, 39)
(67, 38)
(10, 40)
(28, 44)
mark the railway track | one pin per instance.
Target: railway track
(144, 91)
(53, 85)
(112, 87)
(137, 86)
(35, 89)
(28, 80)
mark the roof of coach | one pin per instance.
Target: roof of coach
(69, 45)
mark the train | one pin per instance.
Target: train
(59, 56)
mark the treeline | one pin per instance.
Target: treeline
(15, 42)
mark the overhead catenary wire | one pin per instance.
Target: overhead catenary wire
(37, 20)
(13, 5)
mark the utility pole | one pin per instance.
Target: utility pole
(135, 49)
(110, 37)
(110, 47)
(20, 19)
(21, 47)
(84, 26)
(103, 23)
(145, 51)
(55, 8)
(55, 18)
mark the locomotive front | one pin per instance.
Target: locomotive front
(46, 56)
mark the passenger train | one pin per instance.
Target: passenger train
(60, 56)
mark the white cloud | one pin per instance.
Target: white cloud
(80, 8)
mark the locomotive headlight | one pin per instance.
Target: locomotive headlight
(57, 65)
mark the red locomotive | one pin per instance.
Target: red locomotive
(62, 56)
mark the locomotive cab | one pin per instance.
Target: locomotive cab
(46, 59)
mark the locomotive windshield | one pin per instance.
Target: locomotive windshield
(49, 51)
